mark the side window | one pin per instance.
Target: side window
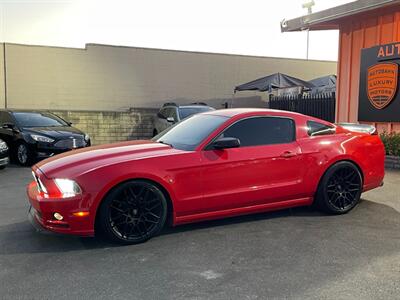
(316, 128)
(167, 112)
(5, 118)
(262, 131)
(162, 112)
(174, 114)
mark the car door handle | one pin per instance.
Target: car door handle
(288, 154)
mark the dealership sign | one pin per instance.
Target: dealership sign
(379, 100)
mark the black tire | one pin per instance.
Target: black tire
(132, 213)
(155, 132)
(340, 188)
(2, 167)
(23, 155)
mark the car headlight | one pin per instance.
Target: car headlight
(3, 146)
(87, 137)
(41, 138)
(67, 187)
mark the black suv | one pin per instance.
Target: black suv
(172, 113)
(35, 134)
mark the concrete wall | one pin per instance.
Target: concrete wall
(108, 127)
(109, 78)
(2, 78)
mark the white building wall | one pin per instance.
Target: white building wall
(110, 78)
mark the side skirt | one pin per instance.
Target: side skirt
(242, 211)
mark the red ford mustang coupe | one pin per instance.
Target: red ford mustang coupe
(212, 165)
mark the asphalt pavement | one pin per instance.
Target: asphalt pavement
(292, 254)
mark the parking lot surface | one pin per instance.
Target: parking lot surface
(295, 254)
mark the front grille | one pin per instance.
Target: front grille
(70, 143)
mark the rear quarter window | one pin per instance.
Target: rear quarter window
(316, 128)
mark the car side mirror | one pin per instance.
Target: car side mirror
(171, 119)
(69, 123)
(225, 143)
(8, 126)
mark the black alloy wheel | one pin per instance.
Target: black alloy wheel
(133, 212)
(340, 188)
(23, 154)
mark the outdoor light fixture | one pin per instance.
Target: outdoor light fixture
(309, 6)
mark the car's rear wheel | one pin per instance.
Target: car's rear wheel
(23, 154)
(133, 212)
(340, 188)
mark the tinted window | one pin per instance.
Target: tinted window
(262, 131)
(163, 112)
(173, 113)
(185, 112)
(33, 119)
(189, 133)
(5, 118)
(316, 128)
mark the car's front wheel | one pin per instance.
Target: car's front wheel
(340, 188)
(132, 213)
(23, 154)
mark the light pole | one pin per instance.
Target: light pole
(309, 6)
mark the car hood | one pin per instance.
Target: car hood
(58, 132)
(76, 162)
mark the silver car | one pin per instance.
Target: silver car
(172, 113)
(3, 154)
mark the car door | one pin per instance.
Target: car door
(265, 168)
(6, 134)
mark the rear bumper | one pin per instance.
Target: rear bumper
(41, 214)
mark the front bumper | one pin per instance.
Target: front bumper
(43, 150)
(41, 214)
(4, 161)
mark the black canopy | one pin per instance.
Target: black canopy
(329, 80)
(324, 84)
(274, 81)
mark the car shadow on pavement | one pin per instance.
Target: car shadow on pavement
(20, 237)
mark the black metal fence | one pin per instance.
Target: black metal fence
(321, 105)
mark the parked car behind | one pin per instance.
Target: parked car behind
(36, 134)
(172, 113)
(3, 155)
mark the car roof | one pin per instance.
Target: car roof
(231, 112)
(187, 106)
(248, 112)
(24, 110)
(193, 105)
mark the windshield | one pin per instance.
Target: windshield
(35, 119)
(189, 133)
(185, 112)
